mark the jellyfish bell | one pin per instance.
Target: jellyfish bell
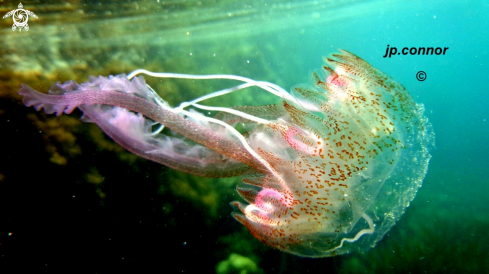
(327, 171)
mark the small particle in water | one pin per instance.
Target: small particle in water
(248, 61)
(190, 54)
(9, 234)
(184, 243)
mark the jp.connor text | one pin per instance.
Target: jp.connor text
(415, 51)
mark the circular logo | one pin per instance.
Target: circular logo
(20, 18)
(421, 76)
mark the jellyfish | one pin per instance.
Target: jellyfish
(327, 171)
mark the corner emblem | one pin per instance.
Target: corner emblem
(20, 16)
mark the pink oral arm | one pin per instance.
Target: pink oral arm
(212, 165)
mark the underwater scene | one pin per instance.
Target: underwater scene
(244, 136)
